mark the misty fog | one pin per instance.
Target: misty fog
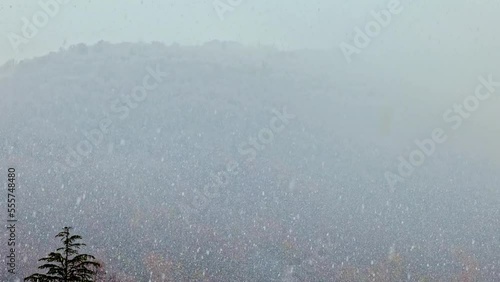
(235, 140)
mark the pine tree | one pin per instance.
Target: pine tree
(66, 264)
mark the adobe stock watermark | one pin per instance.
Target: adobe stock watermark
(372, 29)
(120, 107)
(455, 117)
(223, 6)
(220, 180)
(30, 27)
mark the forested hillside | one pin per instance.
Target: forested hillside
(223, 162)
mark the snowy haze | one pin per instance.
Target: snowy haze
(441, 46)
(259, 150)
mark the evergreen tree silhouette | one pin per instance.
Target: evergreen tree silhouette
(66, 264)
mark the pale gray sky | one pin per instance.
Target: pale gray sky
(285, 24)
(442, 46)
(295, 24)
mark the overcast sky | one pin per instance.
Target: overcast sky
(440, 46)
(284, 24)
